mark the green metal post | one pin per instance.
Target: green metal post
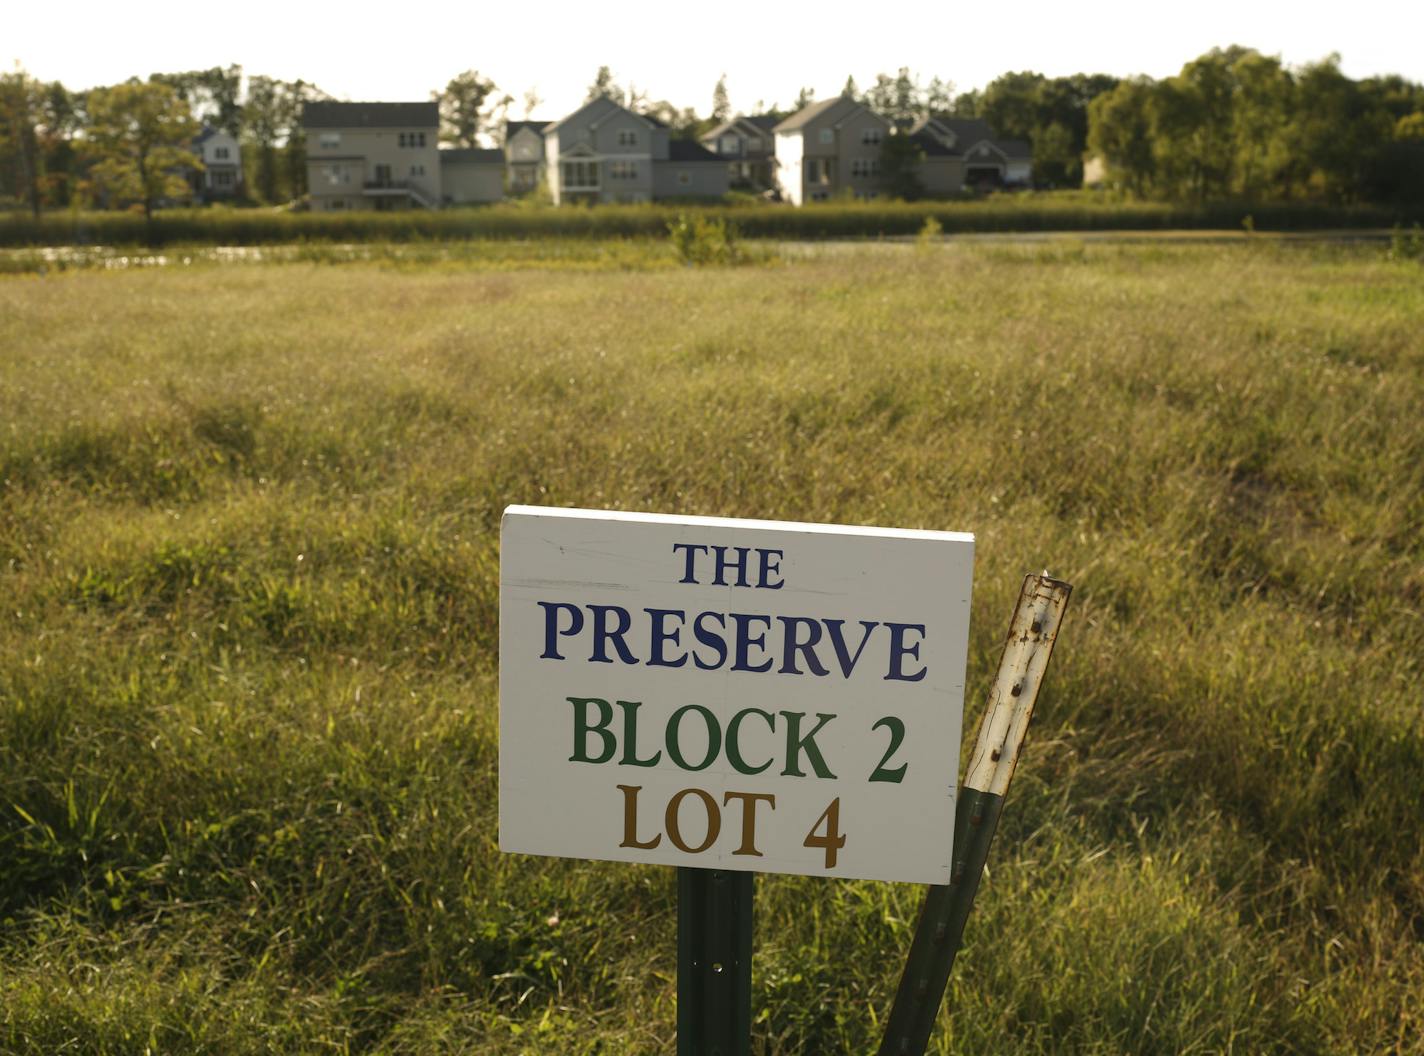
(1032, 633)
(714, 962)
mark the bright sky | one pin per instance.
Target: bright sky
(394, 52)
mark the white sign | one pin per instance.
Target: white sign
(730, 694)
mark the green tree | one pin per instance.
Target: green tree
(463, 115)
(1261, 115)
(1120, 133)
(900, 161)
(721, 103)
(22, 161)
(214, 95)
(1340, 131)
(138, 133)
(604, 84)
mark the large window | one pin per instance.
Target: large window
(220, 153)
(330, 140)
(864, 167)
(580, 174)
(627, 137)
(828, 136)
(871, 137)
(728, 144)
(622, 170)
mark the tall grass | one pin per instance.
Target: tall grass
(248, 557)
(821, 221)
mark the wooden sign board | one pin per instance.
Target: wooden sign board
(731, 694)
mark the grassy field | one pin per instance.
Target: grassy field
(248, 565)
(1047, 211)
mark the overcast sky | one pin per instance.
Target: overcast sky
(401, 51)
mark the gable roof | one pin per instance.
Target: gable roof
(471, 156)
(751, 126)
(513, 128)
(371, 115)
(652, 122)
(807, 114)
(765, 122)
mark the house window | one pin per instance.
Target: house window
(622, 170)
(222, 178)
(627, 138)
(871, 137)
(417, 170)
(330, 139)
(419, 139)
(727, 144)
(400, 139)
(336, 174)
(828, 135)
(864, 167)
(754, 143)
(819, 170)
(580, 174)
(220, 153)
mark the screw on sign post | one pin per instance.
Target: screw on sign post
(1032, 633)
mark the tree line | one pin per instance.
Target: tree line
(1234, 123)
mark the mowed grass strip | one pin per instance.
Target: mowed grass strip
(248, 561)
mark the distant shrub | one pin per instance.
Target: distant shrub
(1406, 244)
(699, 239)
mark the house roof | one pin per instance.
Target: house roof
(371, 115)
(765, 122)
(968, 132)
(807, 114)
(753, 125)
(513, 128)
(592, 102)
(206, 134)
(689, 150)
(471, 156)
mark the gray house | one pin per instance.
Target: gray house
(746, 145)
(372, 155)
(963, 153)
(829, 148)
(221, 174)
(471, 176)
(604, 152)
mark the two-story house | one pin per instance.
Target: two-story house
(372, 155)
(829, 148)
(524, 155)
(604, 152)
(746, 145)
(964, 154)
(221, 174)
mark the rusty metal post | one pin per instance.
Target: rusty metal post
(1032, 632)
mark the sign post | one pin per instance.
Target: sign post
(730, 697)
(1032, 632)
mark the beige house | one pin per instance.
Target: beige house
(524, 155)
(372, 155)
(604, 152)
(830, 148)
(746, 145)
